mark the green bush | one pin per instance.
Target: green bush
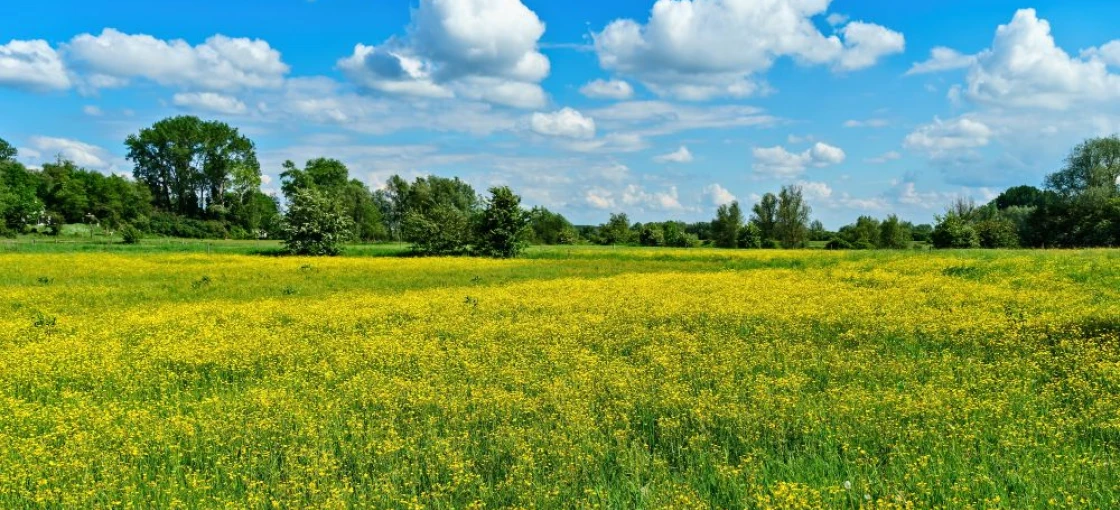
(954, 232)
(998, 233)
(130, 234)
(315, 225)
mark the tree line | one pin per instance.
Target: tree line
(194, 178)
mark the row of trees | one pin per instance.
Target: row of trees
(196, 178)
(1079, 206)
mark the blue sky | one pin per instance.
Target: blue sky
(660, 109)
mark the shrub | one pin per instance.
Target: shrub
(998, 233)
(315, 225)
(953, 232)
(130, 234)
(838, 244)
(443, 230)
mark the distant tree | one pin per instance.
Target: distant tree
(766, 216)
(332, 179)
(726, 226)
(953, 231)
(750, 236)
(965, 209)
(922, 233)
(676, 234)
(19, 202)
(547, 227)
(651, 234)
(817, 232)
(315, 224)
(437, 213)
(864, 234)
(502, 225)
(69, 193)
(190, 164)
(997, 233)
(1094, 163)
(7, 152)
(893, 234)
(616, 230)
(1019, 196)
(792, 227)
(439, 230)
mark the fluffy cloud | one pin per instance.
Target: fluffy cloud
(634, 198)
(681, 155)
(479, 49)
(866, 43)
(566, 123)
(92, 110)
(1025, 68)
(718, 195)
(607, 89)
(114, 58)
(32, 65)
(945, 139)
(698, 49)
(82, 154)
(209, 102)
(779, 162)
(942, 59)
(1108, 53)
(815, 190)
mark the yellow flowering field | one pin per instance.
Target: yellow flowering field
(575, 378)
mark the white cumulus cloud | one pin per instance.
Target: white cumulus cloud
(718, 195)
(698, 49)
(32, 65)
(567, 123)
(1025, 68)
(942, 59)
(82, 154)
(608, 89)
(681, 155)
(942, 138)
(113, 58)
(779, 162)
(486, 50)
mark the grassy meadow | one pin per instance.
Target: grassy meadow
(156, 376)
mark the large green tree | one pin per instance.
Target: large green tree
(436, 213)
(190, 164)
(766, 216)
(1095, 163)
(331, 178)
(19, 202)
(792, 227)
(727, 224)
(501, 227)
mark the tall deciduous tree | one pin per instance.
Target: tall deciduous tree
(792, 227)
(726, 226)
(190, 164)
(1094, 163)
(766, 216)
